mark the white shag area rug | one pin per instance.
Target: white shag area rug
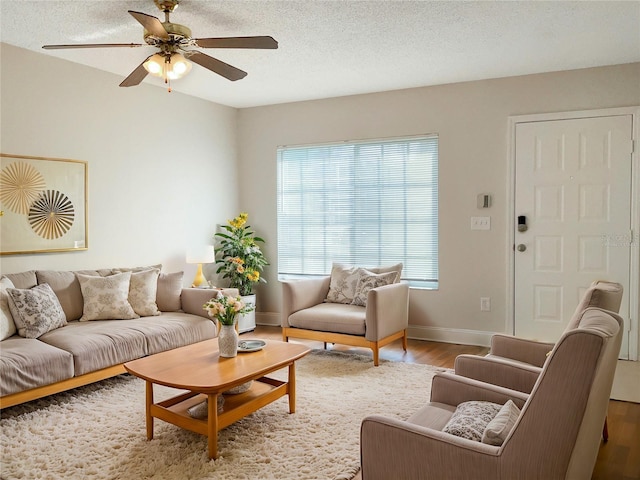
(98, 431)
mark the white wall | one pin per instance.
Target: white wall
(471, 120)
(162, 166)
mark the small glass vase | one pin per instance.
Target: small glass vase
(228, 341)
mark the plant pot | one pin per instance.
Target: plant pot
(247, 321)
(228, 341)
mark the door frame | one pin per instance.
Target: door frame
(634, 279)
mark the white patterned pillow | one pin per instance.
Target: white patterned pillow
(368, 280)
(342, 286)
(35, 310)
(7, 325)
(106, 298)
(142, 292)
(499, 428)
(471, 419)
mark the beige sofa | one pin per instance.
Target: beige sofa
(81, 352)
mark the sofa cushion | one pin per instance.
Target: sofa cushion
(142, 292)
(368, 281)
(23, 279)
(434, 415)
(35, 310)
(28, 363)
(98, 344)
(499, 428)
(106, 298)
(169, 290)
(331, 317)
(471, 419)
(7, 325)
(173, 330)
(67, 288)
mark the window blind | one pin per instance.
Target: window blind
(363, 203)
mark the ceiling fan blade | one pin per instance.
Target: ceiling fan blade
(217, 66)
(92, 45)
(151, 24)
(237, 42)
(136, 76)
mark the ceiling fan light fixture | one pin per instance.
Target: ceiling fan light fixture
(168, 67)
(178, 66)
(155, 65)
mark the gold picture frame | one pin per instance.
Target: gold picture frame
(43, 204)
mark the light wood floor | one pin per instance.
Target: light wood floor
(618, 459)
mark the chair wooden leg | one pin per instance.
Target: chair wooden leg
(605, 430)
(325, 345)
(404, 341)
(376, 355)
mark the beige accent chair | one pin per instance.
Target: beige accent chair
(514, 362)
(306, 315)
(555, 436)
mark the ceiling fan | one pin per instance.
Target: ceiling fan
(175, 44)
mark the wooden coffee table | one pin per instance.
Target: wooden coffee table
(199, 369)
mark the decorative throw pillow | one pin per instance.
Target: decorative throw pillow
(342, 286)
(142, 292)
(368, 280)
(169, 291)
(106, 298)
(36, 310)
(105, 272)
(471, 419)
(7, 325)
(67, 288)
(389, 268)
(499, 428)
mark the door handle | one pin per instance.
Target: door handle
(521, 247)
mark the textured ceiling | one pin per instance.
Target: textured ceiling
(336, 48)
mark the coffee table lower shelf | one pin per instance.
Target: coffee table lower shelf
(174, 410)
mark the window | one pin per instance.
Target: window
(359, 203)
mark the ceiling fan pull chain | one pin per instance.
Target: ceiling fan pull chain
(167, 67)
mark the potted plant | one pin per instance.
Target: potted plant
(241, 261)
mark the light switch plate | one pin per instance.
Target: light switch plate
(480, 223)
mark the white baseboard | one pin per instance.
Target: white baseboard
(271, 319)
(418, 332)
(450, 335)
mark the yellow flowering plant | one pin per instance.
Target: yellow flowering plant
(239, 256)
(226, 308)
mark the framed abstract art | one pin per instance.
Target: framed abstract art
(43, 204)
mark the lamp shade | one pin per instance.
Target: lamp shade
(201, 254)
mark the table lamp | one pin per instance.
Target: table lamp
(200, 255)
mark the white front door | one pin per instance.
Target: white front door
(573, 199)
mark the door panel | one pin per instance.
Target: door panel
(573, 184)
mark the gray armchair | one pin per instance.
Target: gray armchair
(556, 434)
(384, 319)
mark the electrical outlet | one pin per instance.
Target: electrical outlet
(480, 223)
(485, 304)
